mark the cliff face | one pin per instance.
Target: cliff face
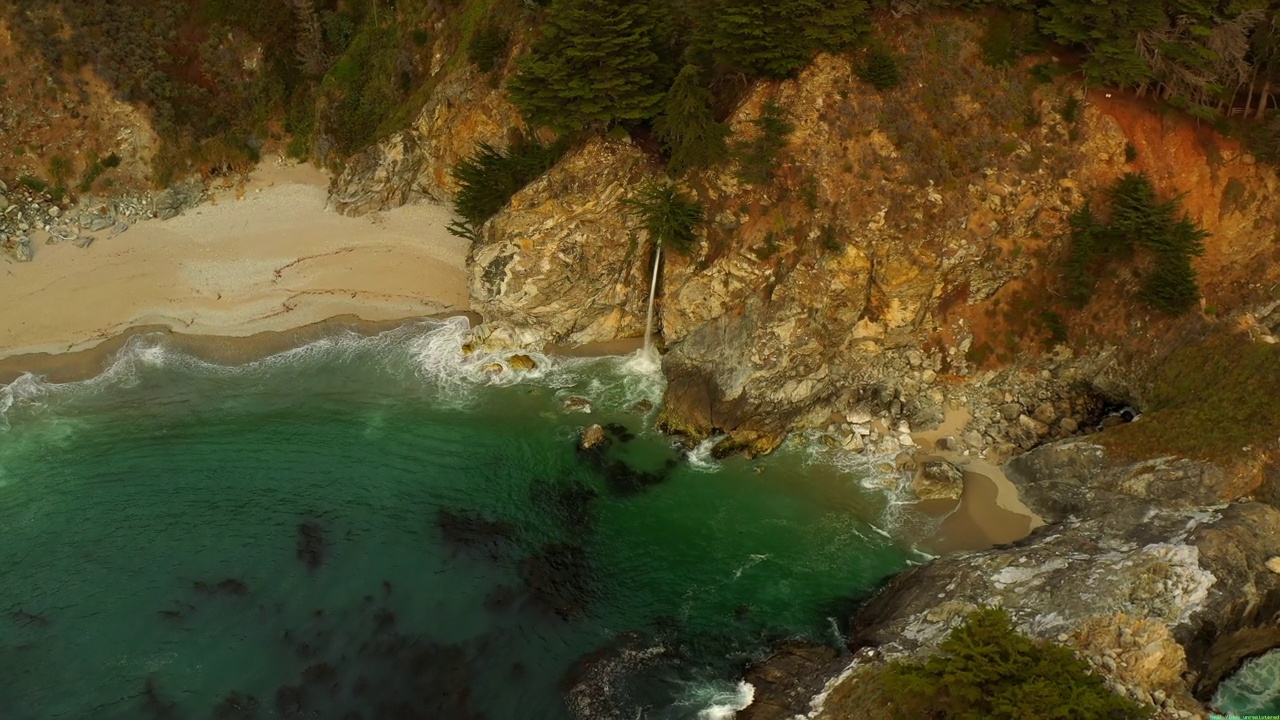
(563, 263)
(465, 108)
(909, 240)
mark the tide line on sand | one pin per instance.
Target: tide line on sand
(269, 257)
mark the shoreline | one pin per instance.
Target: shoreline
(269, 256)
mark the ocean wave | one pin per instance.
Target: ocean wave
(1254, 689)
(725, 704)
(433, 354)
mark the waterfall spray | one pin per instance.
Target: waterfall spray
(653, 289)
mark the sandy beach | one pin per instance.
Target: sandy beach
(264, 259)
(989, 512)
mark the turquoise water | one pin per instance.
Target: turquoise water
(377, 528)
(1254, 689)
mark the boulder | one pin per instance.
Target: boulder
(521, 362)
(592, 436)
(937, 480)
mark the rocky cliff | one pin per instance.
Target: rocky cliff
(903, 260)
(907, 245)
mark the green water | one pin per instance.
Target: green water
(373, 528)
(1254, 690)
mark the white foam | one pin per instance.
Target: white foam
(725, 706)
(430, 351)
(1254, 689)
(701, 458)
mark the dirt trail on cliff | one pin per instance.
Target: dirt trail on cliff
(268, 257)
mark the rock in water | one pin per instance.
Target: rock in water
(521, 362)
(573, 403)
(592, 437)
(939, 479)
(311, 545)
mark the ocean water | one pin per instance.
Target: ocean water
(378, 528)
(1252, 690)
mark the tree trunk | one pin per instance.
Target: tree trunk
(1264, 98)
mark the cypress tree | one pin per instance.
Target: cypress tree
(758, 39)
(880, 69)
(597, 62)
(687, 127)
(835, 25)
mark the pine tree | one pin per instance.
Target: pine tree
(835, 25)
(758, 39)
(687, 127)
(597, 62)
(880, 69)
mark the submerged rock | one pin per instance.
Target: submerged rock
(312, 545)
(619, 681)
(462, 530)
(573, 403)
(559, 578)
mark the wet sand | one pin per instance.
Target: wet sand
(988, 513)
(267, 258)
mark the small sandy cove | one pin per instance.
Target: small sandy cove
(269, 257)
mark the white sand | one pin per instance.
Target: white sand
(274, 260)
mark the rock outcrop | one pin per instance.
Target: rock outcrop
(466, 108)
(563, 263)
(1148, 569)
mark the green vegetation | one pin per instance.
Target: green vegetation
(774, 40)
(879, 69)
(687, 127)
(488, 46)
(1137, 221)
(758, 157)
(596, 63)
(669, 215)
(986, 669)
(1207, 401)
(489, 177)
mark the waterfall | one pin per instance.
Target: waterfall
(653, 289)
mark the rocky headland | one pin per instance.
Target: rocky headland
(896, 270)
(901, 269)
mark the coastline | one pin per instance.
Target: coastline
(268, 257)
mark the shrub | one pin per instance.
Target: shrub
(758, 158)
(986, 669)
(880, 69)
(489, 177)
(487, 46)
(669, 215)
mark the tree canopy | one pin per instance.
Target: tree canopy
(595, 63)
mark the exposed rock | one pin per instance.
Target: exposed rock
(573, 403)
(1273, 565)
(552, 267)
(521, 362)
(416, 163)
(938, 479)
(786, 680)
(592, 436)
(1010, 411)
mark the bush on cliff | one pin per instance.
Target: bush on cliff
(986, 669)
(488, 177)
(879, 69)
(1137, 221)
(758, 157)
